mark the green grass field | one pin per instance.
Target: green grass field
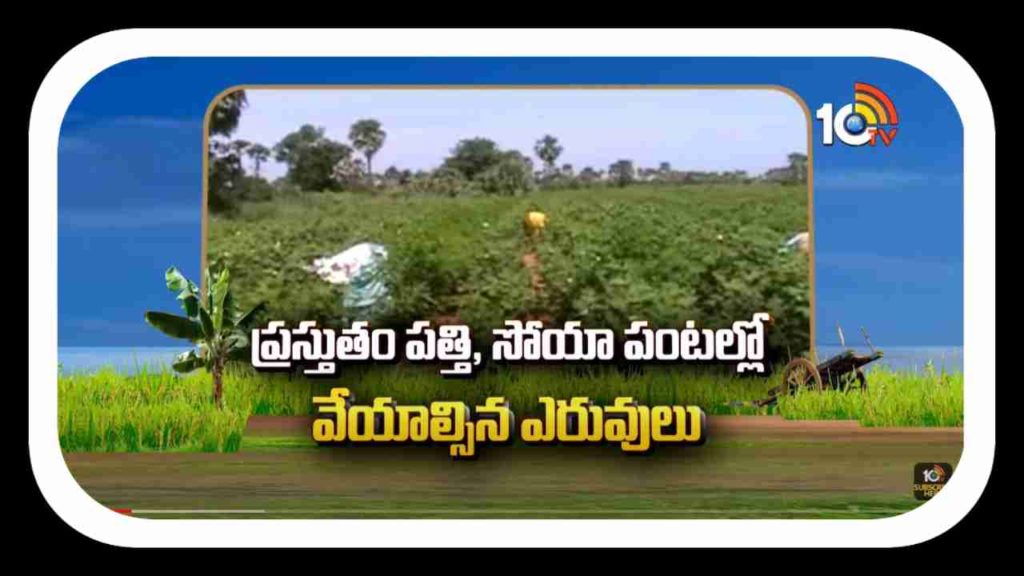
(162, 411)
(893, 398)
(666, 254)
(154, 442)
(608, 256)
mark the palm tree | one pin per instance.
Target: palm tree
(622, 172)
(798, 165)
(548, 150)
(367, 137)
(259, 154)
(239, 148)
(226, 113)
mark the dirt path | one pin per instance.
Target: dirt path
(531, 261)
(750, 467)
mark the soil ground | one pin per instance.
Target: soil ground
(750, 467)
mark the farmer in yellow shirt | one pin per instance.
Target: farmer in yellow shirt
(534, 223)
(533, 226)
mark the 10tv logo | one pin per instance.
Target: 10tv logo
(871, 117)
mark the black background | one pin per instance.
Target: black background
(32, 51)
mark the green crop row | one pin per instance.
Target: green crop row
(893, 398)
(607, 257)
(163, 411)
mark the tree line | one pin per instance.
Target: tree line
(474, 166)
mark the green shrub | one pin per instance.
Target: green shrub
(445, 182)
(510, 177)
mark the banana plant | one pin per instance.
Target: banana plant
(212, 324)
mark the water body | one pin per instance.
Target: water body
(128, 360)
(132, 359)
(908, 358)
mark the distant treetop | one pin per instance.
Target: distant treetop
(227, 112)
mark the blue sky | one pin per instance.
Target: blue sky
(750, 130)
(889, 221)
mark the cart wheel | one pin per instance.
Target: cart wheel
(800, 373)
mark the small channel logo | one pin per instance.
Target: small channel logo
(929, 478)
(870, 118)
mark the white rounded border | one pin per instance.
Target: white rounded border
(936, 59)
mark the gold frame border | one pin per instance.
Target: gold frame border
(772, 87)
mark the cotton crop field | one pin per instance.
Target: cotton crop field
(607, 256)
